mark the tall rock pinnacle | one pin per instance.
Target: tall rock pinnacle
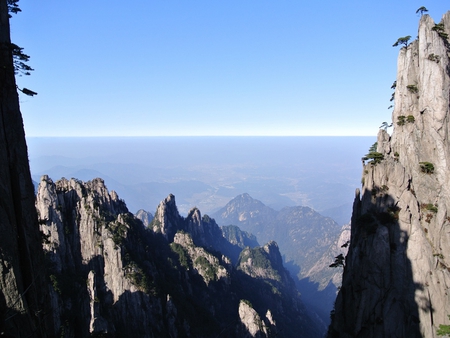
(396, 280)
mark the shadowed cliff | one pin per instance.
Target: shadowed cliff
(397, 275)
(23, 296)
(377, 294)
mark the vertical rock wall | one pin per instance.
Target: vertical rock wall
(23, 311)
(396, 280)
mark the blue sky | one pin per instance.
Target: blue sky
(196, 67)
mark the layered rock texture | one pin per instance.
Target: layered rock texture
(396, 280)
(110, 275)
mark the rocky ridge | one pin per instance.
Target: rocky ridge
(397, 272)
(110, 275)
(303, 234)
(308, 242)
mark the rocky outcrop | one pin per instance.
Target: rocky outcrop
(207, 265)
(253, 324)
(111, 275)
(264, 262)
(275, 287)
(397, 272)
(166, 218)
(96, 285)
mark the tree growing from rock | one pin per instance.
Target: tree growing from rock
(422, 10)
(402, 41)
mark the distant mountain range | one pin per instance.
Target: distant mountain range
(207, 172)
(308, 241)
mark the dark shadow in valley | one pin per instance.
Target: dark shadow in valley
(377, 297)
(316, 300)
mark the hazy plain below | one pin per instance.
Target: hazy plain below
(207, 172)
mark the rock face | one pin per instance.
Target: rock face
(251, 320)
(23, 296)
(397, 272)
(110, 275)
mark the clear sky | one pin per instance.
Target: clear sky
(210, 67)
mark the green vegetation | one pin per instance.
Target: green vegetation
(422, 10)
(394, 85)
(440, 29)
(385, 125)
(402, 41)
(118, 231)
(20, 59)
(426, 167)
(338, 261)
(434, 57)
(55, 284)
(402, 119)
(444, 330)
(410, 119)
(209, 269)
(412, 88)
(139, 279)
(258, 256)
(374, 157)
(430, 207)
(182, 255)
(373, 147)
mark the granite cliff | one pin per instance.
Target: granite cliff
(109, 274)
(23, 299)
(397, 272)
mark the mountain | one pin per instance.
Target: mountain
(144, 216)
(108, 274)
(397, 272)
(207, 172)
(308, 243)
(302, 233)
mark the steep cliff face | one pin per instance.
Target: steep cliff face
(397, 275)
(110, 275)
(97, 282)
(23, 298)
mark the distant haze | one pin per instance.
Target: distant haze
(207, 172)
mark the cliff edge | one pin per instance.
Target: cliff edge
(397, 272)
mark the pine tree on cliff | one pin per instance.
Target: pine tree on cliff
(22, 278)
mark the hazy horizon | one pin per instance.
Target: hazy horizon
(320, 172)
